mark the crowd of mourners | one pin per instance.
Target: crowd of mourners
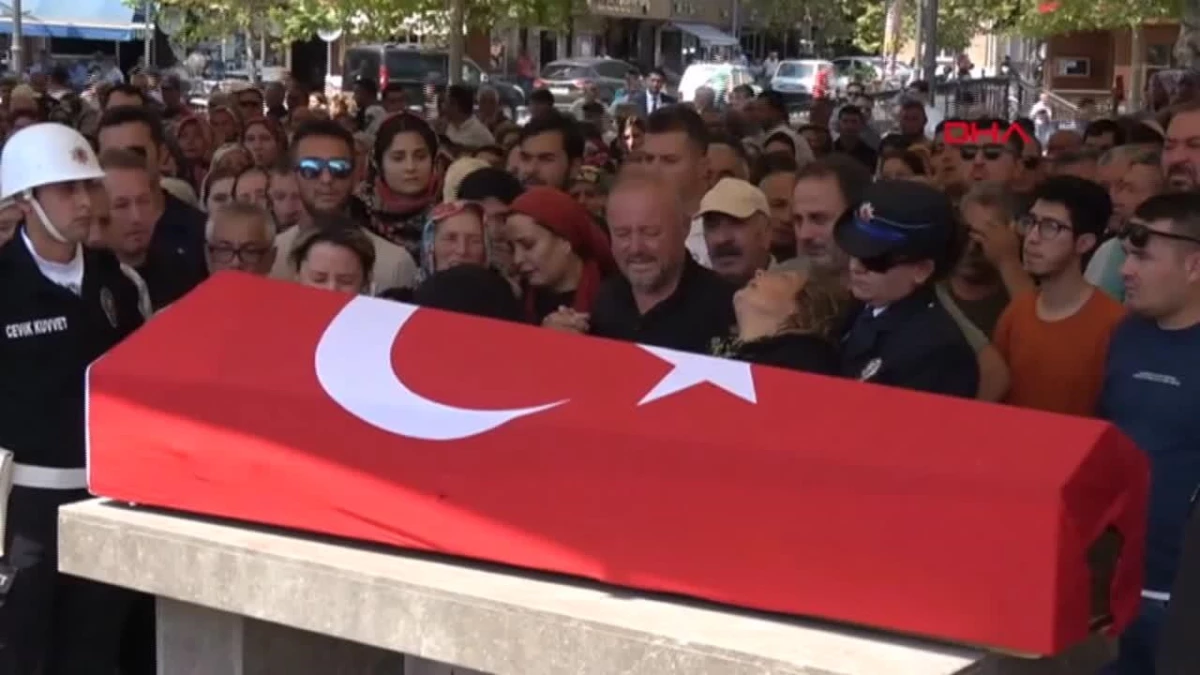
(1060, 274)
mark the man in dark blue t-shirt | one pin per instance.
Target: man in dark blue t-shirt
(1152, 393)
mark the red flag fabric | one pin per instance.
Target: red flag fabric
(769, 489)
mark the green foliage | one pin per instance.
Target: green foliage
(1076, 15)
(363, 20)
(829, 18)
(958, 21)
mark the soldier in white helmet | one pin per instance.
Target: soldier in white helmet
(61, 306)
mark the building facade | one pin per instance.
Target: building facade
(666, 33)
(1089, 63)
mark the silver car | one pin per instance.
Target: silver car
(795, 80)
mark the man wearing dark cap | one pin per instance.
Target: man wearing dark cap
(899, 239)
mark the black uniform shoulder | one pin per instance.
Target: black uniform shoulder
(101, 259)
(939, 359)
(913, 344)
(8, 251)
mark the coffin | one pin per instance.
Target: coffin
(647, 468)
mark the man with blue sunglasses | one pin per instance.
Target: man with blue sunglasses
(323, 160)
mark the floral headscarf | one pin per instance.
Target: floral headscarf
(400, 218)
(438, 214)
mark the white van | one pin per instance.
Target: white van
(701, 74)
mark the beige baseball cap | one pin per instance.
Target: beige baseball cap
(734, 197)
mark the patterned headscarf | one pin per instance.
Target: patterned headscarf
(429, 233)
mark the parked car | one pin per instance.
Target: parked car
(415, 66)
(565, 78)
(873, 71)
(848, 69)
(707, 74)
(795, 80)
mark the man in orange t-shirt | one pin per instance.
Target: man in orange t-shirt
(1055, 338)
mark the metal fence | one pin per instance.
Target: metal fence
(1002, 97)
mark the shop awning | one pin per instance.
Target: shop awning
(707, 34)
(110, 20)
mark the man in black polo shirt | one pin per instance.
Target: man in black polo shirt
(662, 296)
(179, 228)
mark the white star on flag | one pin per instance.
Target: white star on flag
(691, 369)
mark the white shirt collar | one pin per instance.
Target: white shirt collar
(69, 275)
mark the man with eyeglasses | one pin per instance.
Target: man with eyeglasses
(241, 237)
(1054, 337)
(899, 242)
(1151, 391)
(322, 155)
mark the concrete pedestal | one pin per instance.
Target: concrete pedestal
(242, 600)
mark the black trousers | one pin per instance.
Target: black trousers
(56, 624)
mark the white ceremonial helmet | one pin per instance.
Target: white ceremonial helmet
(45, 154)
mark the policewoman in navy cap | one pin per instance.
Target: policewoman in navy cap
(901, 240)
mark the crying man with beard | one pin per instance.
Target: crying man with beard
(1181, 153)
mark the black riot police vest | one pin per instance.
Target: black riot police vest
(48, 337)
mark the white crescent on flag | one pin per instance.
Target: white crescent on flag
(354, 366)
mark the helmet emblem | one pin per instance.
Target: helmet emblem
(866, 212)
(80, 155)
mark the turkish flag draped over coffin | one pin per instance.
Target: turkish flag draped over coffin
(764, 488)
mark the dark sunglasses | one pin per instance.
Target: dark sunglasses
(250, 254)
(990, 152)
(881, 264)
(1031, 163)
(310, 168)
(1138, 235)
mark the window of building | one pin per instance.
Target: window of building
(1073, 66)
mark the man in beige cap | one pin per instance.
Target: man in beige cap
(737, 229)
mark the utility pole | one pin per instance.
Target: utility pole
(736, 23)
(147, 32)
(919, 39)
(17, 53)
(929, 35)
(457, 36)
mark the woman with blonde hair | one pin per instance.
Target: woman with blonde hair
(788, 317)
(226, 123)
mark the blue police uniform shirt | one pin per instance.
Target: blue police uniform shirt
(1151, 392)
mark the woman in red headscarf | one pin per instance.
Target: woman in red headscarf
(561, 254)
